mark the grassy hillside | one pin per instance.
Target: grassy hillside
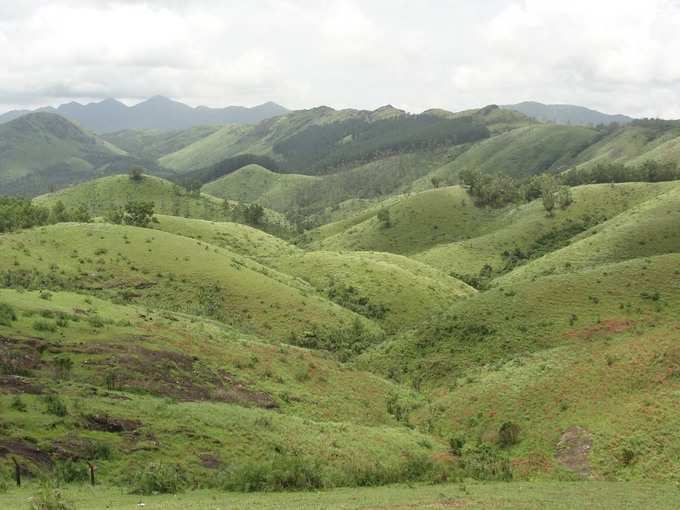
(167, 271)
(223, 143)
(614, 388)
(417, 221)
(527, 231)
(518, 317)
(40, 150)
(393, 290)
(255, 184)
(238, 238)
(645, 230)
(152, 144)
(136, 378)
(100, 195)
(525, 151)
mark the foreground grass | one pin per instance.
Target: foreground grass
(516, 496)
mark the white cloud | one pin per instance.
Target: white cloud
(619, 56)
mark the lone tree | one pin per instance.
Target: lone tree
(548, 191)
(138, 214)
(253, 214)
(564, 197)
(136, 173)
(436, 182)
(384, 218)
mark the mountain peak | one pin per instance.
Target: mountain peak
(566, 113)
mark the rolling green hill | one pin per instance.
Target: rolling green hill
(241, 239)
(518, 317)
(645, 230)
(40, 150)
(152, 144)
(253, 183)
(379, 325)
(417, 221)
(528, 229)
(171, 272)
(394, 291)
(194, 394)
(525, 151)
(101, 195)
(614, 389)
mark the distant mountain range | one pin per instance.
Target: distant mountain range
(566, 114)
(159, 112)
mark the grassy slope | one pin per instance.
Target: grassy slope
(254, 183)
(408, 290)
(633, 143)
(529, 316)
(152, 144)
(523, 151)
(647, 229)
(238, 238)
(226, 142)
(418, 221)
(521, 227)
(38, 141)
(618, 380)
(102, 194)
(173, 272)
(232, 140)
(169, 371)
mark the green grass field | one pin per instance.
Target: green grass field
(474, 496)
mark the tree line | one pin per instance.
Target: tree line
(499, 190)
(17, 213)
(317, 149)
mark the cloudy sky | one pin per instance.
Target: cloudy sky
(619, 56)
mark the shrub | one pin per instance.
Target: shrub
(7, 315)
(508, 434)
(136, 173)
(95, 321)
(159, 478)
(63, 367)
(55, 405)
(49, 498)
(284, 472)
(70, 471)
(485, 462)
(18, 404)
(41, 325)
(384, 218)
(456, 445)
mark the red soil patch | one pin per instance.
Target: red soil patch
(604, 328)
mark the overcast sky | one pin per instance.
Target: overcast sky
(619, 56)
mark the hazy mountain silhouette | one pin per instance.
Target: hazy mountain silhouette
(155, 113)
(566, 114)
